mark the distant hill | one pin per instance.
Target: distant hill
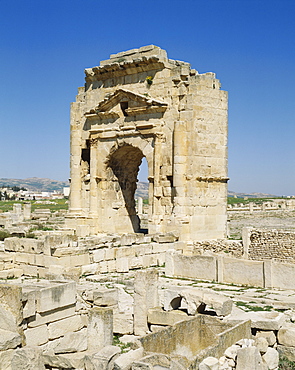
(43, 184)
(142, 190)
(251, 195)
(35, 184)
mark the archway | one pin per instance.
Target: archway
(124, 164)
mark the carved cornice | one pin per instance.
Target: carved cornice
(213, 179)
(123, 68)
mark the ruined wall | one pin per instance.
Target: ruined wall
(141, 104)
(263, 244)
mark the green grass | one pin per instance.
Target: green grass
(285, 364)
(232, 200)
(7, 205)
(249, 307)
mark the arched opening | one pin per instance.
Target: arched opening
(124, 164)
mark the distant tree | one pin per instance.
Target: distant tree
(15, 188)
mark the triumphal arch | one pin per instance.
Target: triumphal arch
(141, 104)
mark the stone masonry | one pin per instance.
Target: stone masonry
(141, 104)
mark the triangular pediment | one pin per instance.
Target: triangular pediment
(127, 103)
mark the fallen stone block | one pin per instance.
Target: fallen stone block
(209, 363)
(268, 335)
(9, 339)
(7, 320)
(124, 361)
(271, 358)
(250, 358)
(103, 359)
(64, 361)
(72, 342)
(261, 320)
(288, 352)
(286, 336)
(27, 358)
(262, 344)
(5, 359)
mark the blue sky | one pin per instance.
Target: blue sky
(249, 44)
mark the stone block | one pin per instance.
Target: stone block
(157, 316)
(72, 342)
(209, 363)
(26, 258)
(241, 271)
(61, 327)
(286, 336)
(80, 260)
(109, 253)
(65, 361)
(105, 297)
(29, 302)
(124, 361)
(123, 312)
(111, 265)
(5, 359)
(27, 358)
(262, 344)
(197, 267)
(271, 358)
(99, 255)
(268, 335)
(7, 320)
(145, 297)
(51, 316)
(29, 270)
(100, 328)
(288, 352)
(122, 264)
(9, 339)
(249, 358)
(11, 301)
(56, 296)
(103, 359)
(90, 269)
(36, 336)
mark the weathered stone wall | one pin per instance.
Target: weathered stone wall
(232, 247)
(263, 244)
(65, 255)
(266, 274)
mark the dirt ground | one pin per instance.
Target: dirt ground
(280, 219)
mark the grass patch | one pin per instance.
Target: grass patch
(248, 307)
(56, 205)
(285, 364)
(125, 347)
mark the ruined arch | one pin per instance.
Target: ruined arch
(141, 103)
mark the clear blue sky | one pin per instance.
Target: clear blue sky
(45, 46)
